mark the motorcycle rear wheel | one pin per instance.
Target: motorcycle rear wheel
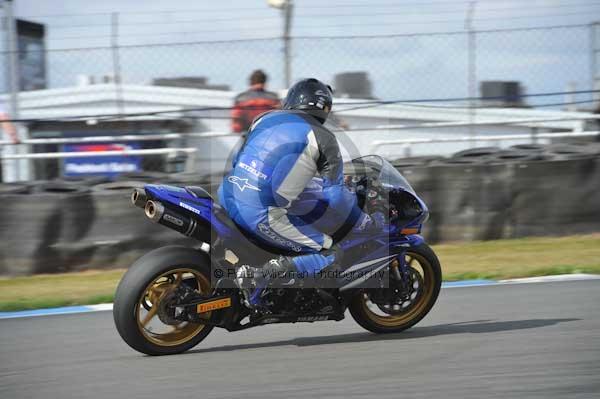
(382, 319)
(141, 312)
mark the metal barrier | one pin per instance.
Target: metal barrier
(407, 143)
(208, 159)
(529, 121)
(86, 154)
(534, 122)
(112, 139)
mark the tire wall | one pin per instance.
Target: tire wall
(50, 227)
(121, 233)
(548, 191)
(466, 201)
(555, 198)
(80, 228)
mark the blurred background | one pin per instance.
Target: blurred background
(489, 108)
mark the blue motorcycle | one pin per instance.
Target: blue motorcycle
(171, 298)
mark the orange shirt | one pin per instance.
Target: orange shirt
(8, 128)
(249, 104)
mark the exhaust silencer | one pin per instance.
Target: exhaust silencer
(139, 198)
(177, 221)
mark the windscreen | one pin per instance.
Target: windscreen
(376, 166)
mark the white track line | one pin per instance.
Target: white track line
(549, 279)
(103, 307)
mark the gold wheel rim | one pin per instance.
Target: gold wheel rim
(146, 312)
(426, 272)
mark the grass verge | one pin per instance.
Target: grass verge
(524, 257)
(55, 290)
(500, 259)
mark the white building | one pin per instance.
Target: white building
(162, 110)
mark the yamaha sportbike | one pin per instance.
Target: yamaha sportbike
(172, 298)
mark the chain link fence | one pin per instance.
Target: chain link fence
(411, 66)
(399, 67)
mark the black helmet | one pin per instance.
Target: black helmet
(311, 96)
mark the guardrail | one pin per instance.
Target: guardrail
(86, 154)
(111, 139)
(191, 161)
(528, 121)
(407, 143)
(175, 136)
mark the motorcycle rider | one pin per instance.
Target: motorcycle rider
(276, 168)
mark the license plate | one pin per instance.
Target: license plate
(214, 305)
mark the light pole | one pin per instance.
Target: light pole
(471, 66)
(594, 53)
(14, 170)
(286, 7)
(11, 64)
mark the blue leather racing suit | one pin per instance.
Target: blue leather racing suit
(274, 193)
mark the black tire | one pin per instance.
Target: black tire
(133, 285)
(366, 319)
(14, 188)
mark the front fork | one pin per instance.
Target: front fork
(399, 270)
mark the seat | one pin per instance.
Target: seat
(198, 192)
(247, 244)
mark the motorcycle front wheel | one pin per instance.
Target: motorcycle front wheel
(142, 308)
(404, 306)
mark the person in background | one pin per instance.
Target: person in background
(8, 132)
(252, 102)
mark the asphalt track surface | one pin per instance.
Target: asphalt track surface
(510, 341)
